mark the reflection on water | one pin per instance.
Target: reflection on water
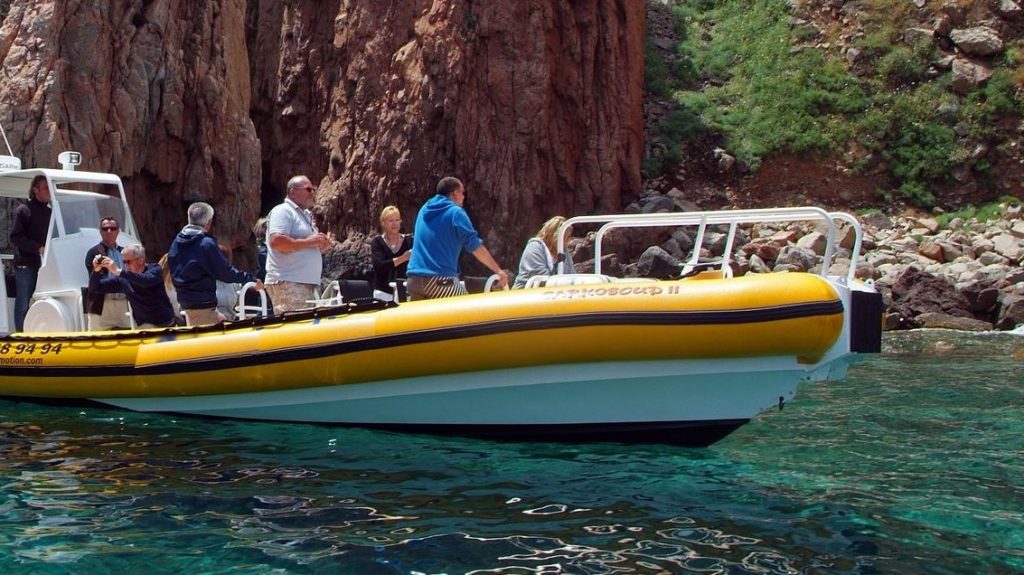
(911, 463)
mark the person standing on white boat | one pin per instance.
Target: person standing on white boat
(108, 309)
(443, 230)
(294, 245)
(197, 263)
(29, 229)
(540, 256)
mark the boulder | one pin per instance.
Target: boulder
(917, 36)
(982, 299)
(968, 74)
(1009, 9)
(814, 242)
(977, 41)
(758, 265)
(1011, 312)
(1009, 246)
(766, 250)
(683, 240)
(916, 292)
(876, 220)
(931, 250)
(940, 320)
(795, 258)
(848, 237)
(657, 204)
(657, 263)
(951, 251)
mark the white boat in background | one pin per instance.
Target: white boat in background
(78, 200)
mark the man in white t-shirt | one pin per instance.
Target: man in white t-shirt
(294, 246)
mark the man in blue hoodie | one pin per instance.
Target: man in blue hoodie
(197, 263)
(442, 231)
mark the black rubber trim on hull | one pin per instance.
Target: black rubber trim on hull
(702, 317)
(681, 433)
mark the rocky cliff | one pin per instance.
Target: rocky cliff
(156, 91)
(536, 105)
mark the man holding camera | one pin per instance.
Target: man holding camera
(106, 311)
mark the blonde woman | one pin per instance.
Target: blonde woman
(391, 250)
(540, 257)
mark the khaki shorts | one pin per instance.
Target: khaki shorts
(206, 316)
(290, 296)
(114, 316)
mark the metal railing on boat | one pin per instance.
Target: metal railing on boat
(731, 218)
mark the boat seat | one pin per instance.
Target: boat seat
(707, 275)
(706, 270)
(340, 291)
(568, 280)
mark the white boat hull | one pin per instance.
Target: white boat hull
(682, 395)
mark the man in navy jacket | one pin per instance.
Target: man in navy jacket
(197, 263)
(141, 283)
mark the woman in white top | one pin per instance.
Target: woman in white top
(540, 256)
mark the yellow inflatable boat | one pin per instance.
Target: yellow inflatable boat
(681, 361)
(573, 357)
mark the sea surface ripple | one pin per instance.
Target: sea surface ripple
(912, 464)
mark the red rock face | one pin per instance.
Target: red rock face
(157, 92)
(536, 105)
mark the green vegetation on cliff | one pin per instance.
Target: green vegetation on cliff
(760, 77)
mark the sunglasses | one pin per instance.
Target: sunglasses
(110, 228)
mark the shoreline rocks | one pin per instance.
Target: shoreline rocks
(965, 275)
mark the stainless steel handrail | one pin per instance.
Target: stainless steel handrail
(732, 218)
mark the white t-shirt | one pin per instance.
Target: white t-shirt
(301, 266)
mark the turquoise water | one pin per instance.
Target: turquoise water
(913, 464)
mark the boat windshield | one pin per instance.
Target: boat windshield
(81, 209)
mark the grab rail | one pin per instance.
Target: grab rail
(242, 308)
(732, 218)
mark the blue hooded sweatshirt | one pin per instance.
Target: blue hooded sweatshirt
(442, 231)
(196, 264)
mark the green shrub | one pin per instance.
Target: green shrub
(999, 97)
(682, 124)
(663, 161)
(917, 193)
(657, 79)
(901, 66)
(919, 152)
(763, 93)
(990, 211)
